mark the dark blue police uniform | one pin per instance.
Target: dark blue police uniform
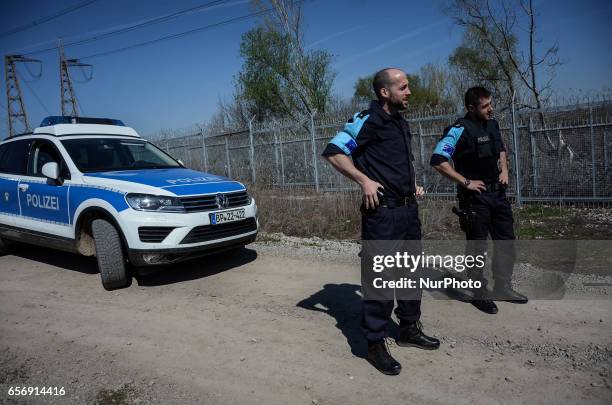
(474, 148)
(380, 146)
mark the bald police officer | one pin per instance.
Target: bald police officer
(379, 142)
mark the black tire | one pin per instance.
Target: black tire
(110, 256)
(3, 247)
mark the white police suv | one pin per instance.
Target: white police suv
(95, 187)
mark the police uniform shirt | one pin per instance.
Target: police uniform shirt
(474, 148)
(380, 147)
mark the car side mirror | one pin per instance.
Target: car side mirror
(51, 170)
(180, 162)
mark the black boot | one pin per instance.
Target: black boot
(411, 335)
(504, 292)
(485, 305)
(379, 357)
(483, 301)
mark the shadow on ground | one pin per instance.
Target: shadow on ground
(57, 258)
(148, 276)
(343, 303)
(194, 269)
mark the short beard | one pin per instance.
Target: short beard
(399, 106)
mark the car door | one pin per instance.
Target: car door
(13, 158)
(44, 202)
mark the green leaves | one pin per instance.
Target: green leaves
(278, 78)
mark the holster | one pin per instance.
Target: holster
(467, 216)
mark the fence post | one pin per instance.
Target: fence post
(605, 151)
(534, 157)
(422, 153)
(515, 149)
(227, 157)
(305, 153)
(188, 148)
(592, 149)
(252, 149)
(314, 151)
(282, 161)
(204, 154)
(277, 169)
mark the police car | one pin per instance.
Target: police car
(95, 187)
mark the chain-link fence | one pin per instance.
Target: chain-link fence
(562, 153)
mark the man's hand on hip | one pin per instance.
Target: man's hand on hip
(476, 185)
(370, 193)
(503, 177)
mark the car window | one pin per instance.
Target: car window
(103, 154)
(15, 158)
(3, 149)
(44, 152)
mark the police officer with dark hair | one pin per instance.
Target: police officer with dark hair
(378, 140)
(478, 153)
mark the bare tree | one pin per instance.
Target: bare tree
(498, 23)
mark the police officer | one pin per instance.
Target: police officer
(378, 140)
(476, 148)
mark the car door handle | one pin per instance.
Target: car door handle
(24, 187)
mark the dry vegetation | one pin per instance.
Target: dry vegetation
(335, 215)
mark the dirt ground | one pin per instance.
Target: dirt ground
(273, 325)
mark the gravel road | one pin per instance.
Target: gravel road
(278, 323)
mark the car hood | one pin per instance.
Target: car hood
(178, 181)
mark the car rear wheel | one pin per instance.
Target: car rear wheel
(110, 256)
(3, 247)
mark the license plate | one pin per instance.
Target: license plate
(226, 216)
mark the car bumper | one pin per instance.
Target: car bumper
(187, 232)
(158, 257)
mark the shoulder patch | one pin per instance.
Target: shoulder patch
(448, 148)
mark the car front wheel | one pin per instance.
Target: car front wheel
(110, 256)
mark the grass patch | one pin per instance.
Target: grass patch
(120, 396)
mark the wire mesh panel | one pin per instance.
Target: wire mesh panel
(216, 156)
(562, 153)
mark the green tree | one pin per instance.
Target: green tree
(279, 78)
(364, 92)
(428, 88)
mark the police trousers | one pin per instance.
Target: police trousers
(390, 224)
(492, 216)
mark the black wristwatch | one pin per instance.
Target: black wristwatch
(466, 183)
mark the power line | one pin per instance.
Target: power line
(156, 20)
(34, 93)
(181, 34)
(46, 19)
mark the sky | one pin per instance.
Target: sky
(175, 83)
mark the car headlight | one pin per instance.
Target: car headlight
(147, 202)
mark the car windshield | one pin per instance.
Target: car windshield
(107, 154)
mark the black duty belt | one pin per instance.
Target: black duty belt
(392, 202)
(493, 187)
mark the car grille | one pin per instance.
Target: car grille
(209, 202)
(209, 232)
(154, 234)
